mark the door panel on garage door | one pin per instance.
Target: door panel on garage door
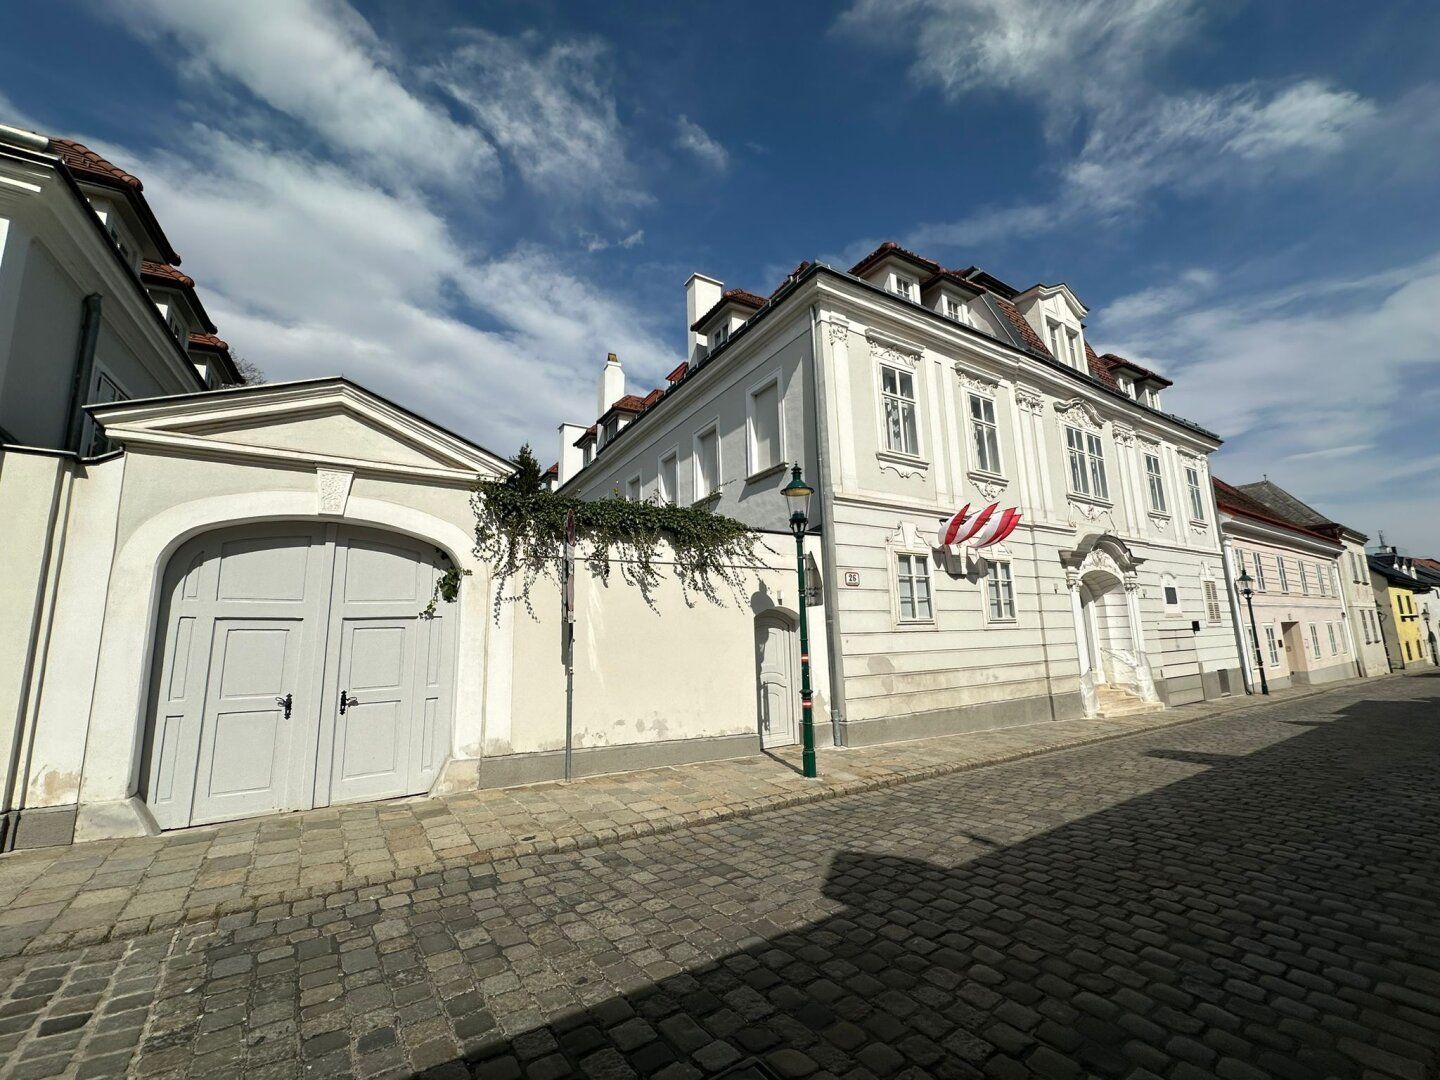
(245, 741)
(372, 729)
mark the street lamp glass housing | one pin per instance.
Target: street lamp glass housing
(1244, 582)
(798, 492)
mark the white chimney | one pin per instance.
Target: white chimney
(612, 383)
(701, 294)
(571, 459)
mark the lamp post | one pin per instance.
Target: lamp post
(799, 492)
(1246, 591)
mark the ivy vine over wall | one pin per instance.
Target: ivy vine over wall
(520, 534)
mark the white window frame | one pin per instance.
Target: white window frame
(999, 592)
(1334, 642)
(1259, 571)
(901, 562)
(1304, 578)
(667, 496)
(1197, 497)
(633, 489)
(1210, 593)
(1155, 483)
(1074, 349)
(712, 428)
(755, 468)
(1314, 642)
(1089, 456)
(1284, 578)
(901, 372)
(1168, 584)
(956, 310)
(978, 427)
(1272, 643)
(903, 286)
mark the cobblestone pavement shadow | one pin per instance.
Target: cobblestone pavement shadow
(1241, 897)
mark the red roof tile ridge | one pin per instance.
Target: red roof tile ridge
(209, 341)
(890, 247)
(166, 272)
(81, 158)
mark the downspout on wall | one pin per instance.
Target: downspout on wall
(84, 371)
(831, 590)
(1227, 553)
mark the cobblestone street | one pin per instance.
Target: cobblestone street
(1244, 896)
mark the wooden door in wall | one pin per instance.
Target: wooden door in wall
(261, 629)
(779, 683)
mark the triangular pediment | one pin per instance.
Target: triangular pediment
(316, 422)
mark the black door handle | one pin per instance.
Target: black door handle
(346, 701)
(285, 703)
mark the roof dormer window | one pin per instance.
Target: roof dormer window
(904, 286)
(1075, 350)
(719, 336)
(958, 311)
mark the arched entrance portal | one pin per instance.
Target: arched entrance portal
(777, 663)
(292, 669)
(1102, 575)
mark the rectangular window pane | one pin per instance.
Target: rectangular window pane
(765, 427)
(707, 461)
(912, 574)
(897, 390)
(1096, 450)
(1197, 502)
(1273, 645)
(668, 476)
(1001, 591)
(1156, 483)
(1314, 642)
(985, 433)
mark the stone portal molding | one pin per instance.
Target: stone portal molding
(333, 488)
(893, 350)
(1080, 413)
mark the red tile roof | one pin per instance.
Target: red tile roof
(885, 251)
(800, 269)
(89, 165)
(679, 373)
(1026, 331)
(208, 343)
(1113, 361)
(1237, 502)
(158, 273)
(730, 296)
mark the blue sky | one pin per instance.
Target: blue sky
(465, 206)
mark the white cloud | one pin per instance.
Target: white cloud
(1071, 55)
(1323, 385)
(310, 270)
(1188, 143)
(320, 63)
(695, 140)
(549, 107)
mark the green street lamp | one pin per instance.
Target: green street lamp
(799, 492)
(1246, 591)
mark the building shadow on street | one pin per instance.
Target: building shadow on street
(1274, 913)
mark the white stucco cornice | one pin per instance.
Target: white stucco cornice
(1243, 528)
(196, 423)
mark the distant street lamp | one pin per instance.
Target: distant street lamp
(1246, 591)
(799, 492)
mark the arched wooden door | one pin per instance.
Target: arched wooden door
(261, 629)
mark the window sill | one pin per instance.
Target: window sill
(906, 465)
(708, 501)
(915, 624)
(764, 474)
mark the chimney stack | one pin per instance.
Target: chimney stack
(612, 383)
(571, 459)
(701, 294)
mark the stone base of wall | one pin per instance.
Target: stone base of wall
(512, 770)
(988, 716)
(1320, 676)
(49, 826)
(1201, 686)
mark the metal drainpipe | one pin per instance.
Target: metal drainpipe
(1237, 617)
(831, 589)
(84, 369)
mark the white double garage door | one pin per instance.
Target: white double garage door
(293, 668)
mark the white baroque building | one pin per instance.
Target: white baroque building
(907, 390)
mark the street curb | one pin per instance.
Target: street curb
(232, 914)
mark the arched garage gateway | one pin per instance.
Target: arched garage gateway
(298, 528)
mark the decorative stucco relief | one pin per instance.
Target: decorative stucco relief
(333, 488)
(1080, 413)
(893, 350)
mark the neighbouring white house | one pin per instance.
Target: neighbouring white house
(906, 390)
(1351, 572)
(1303, 613)
(211, 594)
